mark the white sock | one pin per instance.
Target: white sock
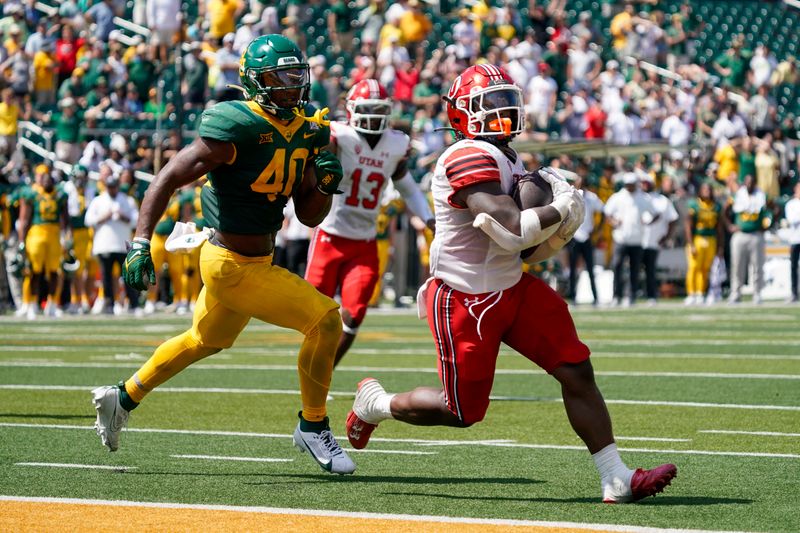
(615, 477)
(383, 406)
(373, 403)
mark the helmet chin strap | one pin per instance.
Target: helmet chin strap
(317, 118)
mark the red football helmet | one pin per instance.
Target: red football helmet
(484, 102)
(368, 107)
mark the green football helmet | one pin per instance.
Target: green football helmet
(275, 75)
(79, 174)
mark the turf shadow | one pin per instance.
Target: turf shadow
(39, 415)
(694, 500)
(660, 500)
(414, 480)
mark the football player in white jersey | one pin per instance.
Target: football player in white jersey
(479, 297)
(344, 253)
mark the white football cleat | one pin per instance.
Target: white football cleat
(111, 416)
(324, 449)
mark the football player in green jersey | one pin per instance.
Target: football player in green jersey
(43, 217)
(257, 154)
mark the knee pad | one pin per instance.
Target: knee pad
(330, 324)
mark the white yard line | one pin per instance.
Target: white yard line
(653, 439)
(420, 442)
(420, 370)
(221, 390)
(755, 433)
(349, 514)
(391, 452)
(231, 458)
(72, 465)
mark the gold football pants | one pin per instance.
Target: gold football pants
(236, 289)
(699, 265)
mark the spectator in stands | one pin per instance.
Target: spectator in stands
(164, 20)
(677, 43)
(750, 219)
(627, 211)
(153, 109)
(13, 42)
(340, 26)
(407, 74)
(371, 20)
(732, 66)
(195, 82)
(142, 70)
(67, 48)
(655, 235)
(767, 170)
(747, 158)
(34, 42)
(624, 126)
(133, 104)
(763, 111)
(542, 97)
(414, 25)
(9, 120)
(112, 216)
(14, 18)
(585, 29)
(102, 14)
(73, 87)
(621, 27)
(583, 67)
(466, 37)
(677, 131)
(117, 70)
(16, 72)
(67, 123)
(228, 63)
(792, 211)
(222, 16)
(246, 32)
(581, 245)
(762, 64)
(595, 121)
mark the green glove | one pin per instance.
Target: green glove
(328, 171)
(138, 270)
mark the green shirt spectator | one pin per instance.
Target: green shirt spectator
(68, 125)
(732, 67)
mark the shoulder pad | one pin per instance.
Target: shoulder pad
(226, 121)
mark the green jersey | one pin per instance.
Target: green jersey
(191, 197)
(705, 215)
(753, 222)
(247, 194)
(78, 221)
(46, 207)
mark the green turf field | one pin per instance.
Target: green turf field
(715, 391)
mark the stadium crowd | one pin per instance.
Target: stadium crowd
(617, 73)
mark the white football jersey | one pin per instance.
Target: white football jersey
(367, 171)
(464, 257)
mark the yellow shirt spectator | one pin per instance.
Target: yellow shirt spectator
(44, 73)
(620, 26)
(9, 117)
(728, 162)
(222, 17)
(414, 25)
(388, 33)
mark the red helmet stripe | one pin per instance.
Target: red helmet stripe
(374, 89)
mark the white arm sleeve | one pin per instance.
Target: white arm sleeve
(530, 229)
(414, 197)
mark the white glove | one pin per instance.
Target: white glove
(574, 218)
(562, 191)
